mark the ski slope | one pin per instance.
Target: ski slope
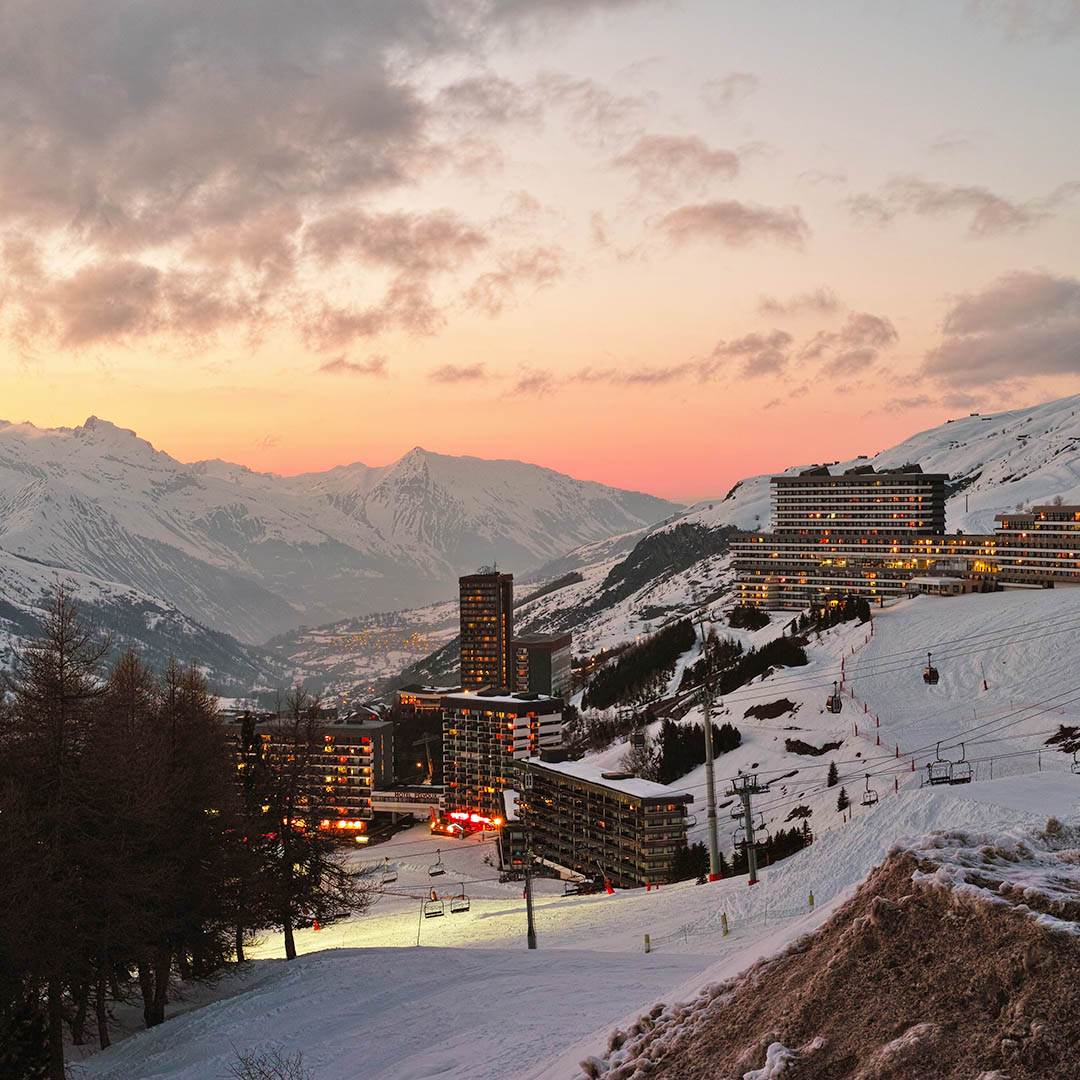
(363, 1002)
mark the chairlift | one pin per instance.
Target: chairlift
(762, 829)
(939, 771)
(834, 703)
(389, 876)
(458, 904)
(960, 771)
(930, 675)
(433, 909)
(870, 796)
(437, 868)
(637, 739)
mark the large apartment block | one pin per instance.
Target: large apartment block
(486, 735)
(487, 626)
(348, 758)
(794, 567)
(591, 821)
(904, 501)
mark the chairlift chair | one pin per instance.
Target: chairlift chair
(433, 909)
(834, 703)
(637, 739)
(930, 675)
(870, 796)
(960, 771)
(762, 829)
(458, 904)
(436, 868)
(939, 770)
(388, 876)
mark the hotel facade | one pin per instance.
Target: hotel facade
(875, 535)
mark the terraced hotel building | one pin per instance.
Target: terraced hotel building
(873, 534)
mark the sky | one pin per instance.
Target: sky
(662, 244)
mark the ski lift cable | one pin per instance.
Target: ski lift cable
(881, 665)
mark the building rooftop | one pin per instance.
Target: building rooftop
(594, 774)
(501, 697)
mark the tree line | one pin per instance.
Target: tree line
(642, 670)
(131, 852)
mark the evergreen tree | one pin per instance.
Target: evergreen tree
(307, 875)
(842, 801)
(53, 692)
(833, 777)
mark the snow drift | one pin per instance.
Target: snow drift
(957, 957)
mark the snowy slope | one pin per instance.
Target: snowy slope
(131, 619)
(255, 554)
(995, 463)
(363, 1003)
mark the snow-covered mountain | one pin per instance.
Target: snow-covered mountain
(255, 554)
(614, 591)
(129, 618)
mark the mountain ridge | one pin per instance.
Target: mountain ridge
(255, 554)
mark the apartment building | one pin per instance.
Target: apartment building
(542, 663)
(903, 501)
(486, 612)
(486, 735)
(591, 820)
(347, 759)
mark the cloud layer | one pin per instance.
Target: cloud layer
(1023, 324)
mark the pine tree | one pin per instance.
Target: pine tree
(307, 874)
(53, 691)
(842, 801)
(834, 777)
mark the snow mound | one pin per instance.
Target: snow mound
(956, 958)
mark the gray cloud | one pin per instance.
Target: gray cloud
(855, 345)
(721, 94)
(821, 301)
(597, 116)
(373, 365)
(736, 224)
(1053, 19)
(533, 381)
(989, 213)
(761, 354)
(180, 150)
(455, 373)
(903, 404)
(818, 176)
(1023, 324)
(531, 268)
(1015, 300)
(668, 164)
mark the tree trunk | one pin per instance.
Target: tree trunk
(78, 1024)
(239, 944)
(162, 966)
(99, 1008)
(56, 1031)
(290, 943)
(146, 986)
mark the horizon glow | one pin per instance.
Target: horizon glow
(658, 245)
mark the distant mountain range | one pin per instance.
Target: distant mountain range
(631, 585)
(254, 554)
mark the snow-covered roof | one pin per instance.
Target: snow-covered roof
(478, 699)
(934, 581)
(594, 774)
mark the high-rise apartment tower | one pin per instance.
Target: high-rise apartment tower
(487, 626)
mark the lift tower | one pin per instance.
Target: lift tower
(744, 787)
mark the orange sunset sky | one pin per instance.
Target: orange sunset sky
(662, 244)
